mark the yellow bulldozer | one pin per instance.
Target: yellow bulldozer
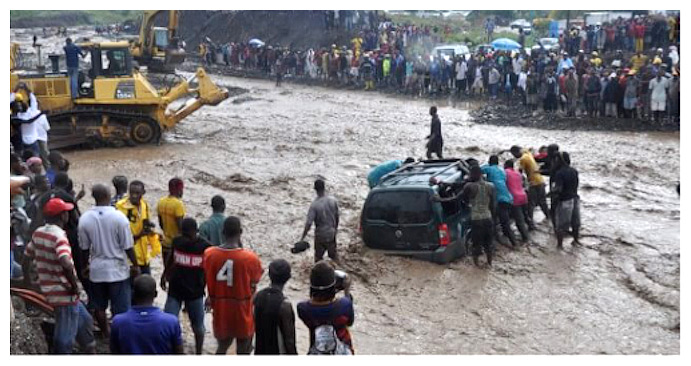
(116, 104)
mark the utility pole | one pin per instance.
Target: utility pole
(568, 19)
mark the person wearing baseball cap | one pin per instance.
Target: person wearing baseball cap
(51, 253)
(273, 314)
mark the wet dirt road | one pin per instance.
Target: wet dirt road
(618, 294)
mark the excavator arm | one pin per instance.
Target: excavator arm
(206, 93)
(173, 22)
(144, 45)
(145, 50)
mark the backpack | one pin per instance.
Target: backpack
(326, 342)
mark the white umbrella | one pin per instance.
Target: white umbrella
(256, 42)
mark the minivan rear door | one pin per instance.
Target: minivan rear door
(400, 220)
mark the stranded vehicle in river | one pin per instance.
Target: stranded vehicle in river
(402, 216)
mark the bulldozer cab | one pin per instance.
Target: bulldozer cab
(109, 60)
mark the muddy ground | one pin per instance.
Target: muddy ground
(619, 294)
(262, 149)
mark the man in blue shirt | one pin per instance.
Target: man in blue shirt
(497, 176)
(72, 53)
(383, 169)
(145, 329)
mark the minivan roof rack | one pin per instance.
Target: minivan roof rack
(400, 172)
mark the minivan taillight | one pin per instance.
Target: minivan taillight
(444, 237)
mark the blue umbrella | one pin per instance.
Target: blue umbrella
(505, 44)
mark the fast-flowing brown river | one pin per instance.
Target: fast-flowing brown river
(262, 150)
(617, 294)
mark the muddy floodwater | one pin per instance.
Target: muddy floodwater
(262, 150)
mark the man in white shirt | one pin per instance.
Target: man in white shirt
(522, 85)
(29, 113)
(106, 243)
(461, 75)
(658, 94)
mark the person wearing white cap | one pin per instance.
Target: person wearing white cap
(609, 96)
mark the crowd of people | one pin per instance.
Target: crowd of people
(90, 264)
(95, 263)
(623, 69)
(497, 194)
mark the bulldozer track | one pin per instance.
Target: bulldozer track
(88, 128)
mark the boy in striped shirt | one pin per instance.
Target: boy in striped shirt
(51, 252)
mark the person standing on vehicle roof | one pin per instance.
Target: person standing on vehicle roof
(504, 199)
(324, 214)
(480, 195)
(435, 143)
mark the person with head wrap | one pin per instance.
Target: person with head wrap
(324, 308)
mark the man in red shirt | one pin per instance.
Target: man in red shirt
(610, 31)
(51, 252)
(639, 32)
(232, 274)
(562, 88)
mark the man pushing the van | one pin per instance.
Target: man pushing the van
(480, 196)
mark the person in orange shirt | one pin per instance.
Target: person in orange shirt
(232, 274)
(171, 211)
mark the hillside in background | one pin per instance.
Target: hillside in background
(68, 18)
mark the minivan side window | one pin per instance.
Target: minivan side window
(400, 207)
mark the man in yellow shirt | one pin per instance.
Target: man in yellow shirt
(357, 45)
(137, 211)
(536, 191)
(638, 60)
(171, 211)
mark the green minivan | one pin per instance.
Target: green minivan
(402, 217)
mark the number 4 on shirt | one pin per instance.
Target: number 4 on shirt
(226, 273)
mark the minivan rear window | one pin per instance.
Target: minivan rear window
(400, 207)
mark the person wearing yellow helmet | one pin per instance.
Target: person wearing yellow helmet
(23, 119)
(595, 60)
